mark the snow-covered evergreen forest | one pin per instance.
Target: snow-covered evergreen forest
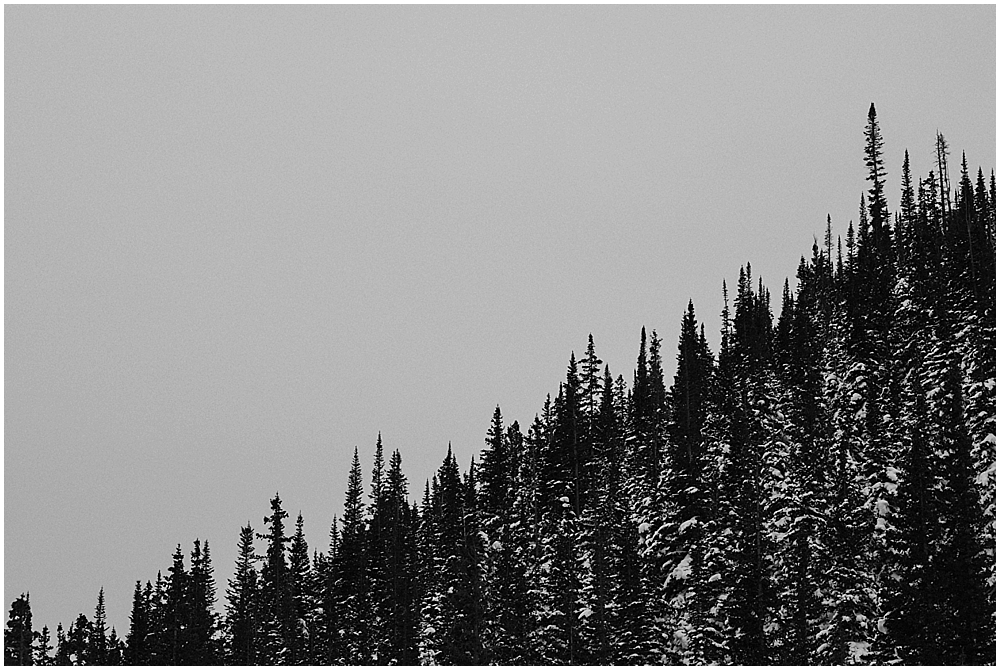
(820, 490)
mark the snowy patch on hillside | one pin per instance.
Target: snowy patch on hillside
(683, 569)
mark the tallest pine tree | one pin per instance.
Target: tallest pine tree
(876, 256)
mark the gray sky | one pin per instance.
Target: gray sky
(242, 240)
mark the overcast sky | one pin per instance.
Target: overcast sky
(240, 241)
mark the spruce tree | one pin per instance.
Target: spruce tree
(967, 633)
(878, 211)
(242, 608)
(62, 647)
(450, 619)
(43, 647)
(136, 643)
(116, 649)
(18, 635)
(278, 640)
(98, 652)
(399, 605)
(299, 587)
(176, 613)
(78, 641)
(688, 404)
(504, 544)
(375, 550)
(203, 645)
(911, 611)
(591, 389)
(351, 590)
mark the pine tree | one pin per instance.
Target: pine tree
(943, 183)
(400, 564)
(391, 563)
(18, 635)
(78, 641)
(351, 594)
(43, 647)
(648, 413)
(911, 610)
(495, 475)
(675, 518)
(967, 633)
(302, 597)
(450, 618)
(470, 594)
(504, 585)
(688, 404)
(375, 549)
(591, 389)
(155, 597)
(116, 649)
(908, 215)
(203, 645)
(136, 643)
(428, 579)
(242, 615)
(278, 639)
(568, 459)
(98, 651)
(62, 648)
(658, 408)
(555, 588)
(641, 415)
(878, 211)
(739, 544)
(176, 613)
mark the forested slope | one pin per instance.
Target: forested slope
(820, 490)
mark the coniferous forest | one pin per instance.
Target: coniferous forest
(820, 490)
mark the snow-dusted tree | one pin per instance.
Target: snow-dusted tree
(391, 547)
(450, 616)
(43, 648)
(277, 633)
(242, 616)
(505, 590)
(349, 609)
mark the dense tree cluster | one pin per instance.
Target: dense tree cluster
(819, 491)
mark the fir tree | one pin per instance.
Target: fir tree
(351, 585)
(400, 564)
(62, 648)
(242, 617)
(449, 613)
(278, 639)
(43, 647)
(116, 649)
(78, 641)
(18, 635)
(878, 211)
(176, 613)
(136, 643)
(203, 646)
(504, 544)
(98, 652)
(967, 633)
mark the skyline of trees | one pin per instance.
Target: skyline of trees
(820, 490)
